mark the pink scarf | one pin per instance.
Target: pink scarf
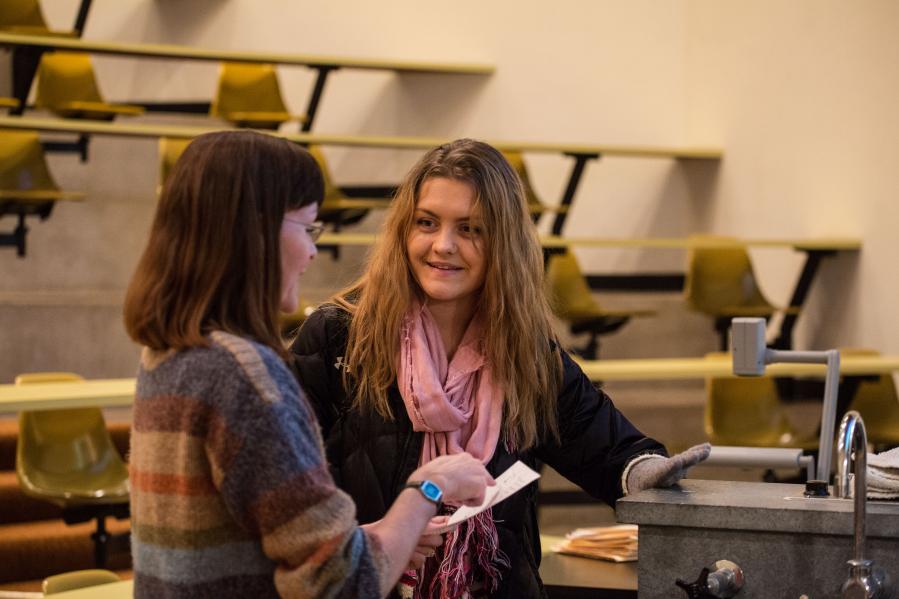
(459, 408)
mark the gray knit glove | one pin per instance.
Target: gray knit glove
(656, 471)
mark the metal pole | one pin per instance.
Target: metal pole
(830, 357)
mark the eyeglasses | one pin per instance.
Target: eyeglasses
(313, 230)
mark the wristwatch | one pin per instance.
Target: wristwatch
(429, 490)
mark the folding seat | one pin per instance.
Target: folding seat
(573, 302)
(67, 457)
(67, 86)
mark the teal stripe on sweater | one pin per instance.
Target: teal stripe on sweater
(191, 566)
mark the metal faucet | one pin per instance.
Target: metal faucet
(866, 581)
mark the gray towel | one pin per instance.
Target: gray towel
(883, 475)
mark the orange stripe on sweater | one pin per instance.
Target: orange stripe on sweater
(327, 550)
(171, 484)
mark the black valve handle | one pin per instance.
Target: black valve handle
(698, 589)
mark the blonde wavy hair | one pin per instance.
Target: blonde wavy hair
(520, 343)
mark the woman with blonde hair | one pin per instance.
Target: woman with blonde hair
(444, 345)
(230, 491)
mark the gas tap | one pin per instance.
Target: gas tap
(866, 581)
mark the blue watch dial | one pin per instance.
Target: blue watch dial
(431, 491)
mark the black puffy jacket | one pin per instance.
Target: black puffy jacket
(371, 457)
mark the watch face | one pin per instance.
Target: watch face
(431, 491)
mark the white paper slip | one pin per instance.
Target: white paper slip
(512, 480)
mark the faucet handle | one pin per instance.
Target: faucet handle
(866, 581)
(698, 589)
(724, 582)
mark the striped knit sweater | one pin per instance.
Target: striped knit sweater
(231, 495)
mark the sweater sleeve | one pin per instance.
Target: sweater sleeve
(596, 441)
(267, 462)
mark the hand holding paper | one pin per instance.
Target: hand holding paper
(509, 482)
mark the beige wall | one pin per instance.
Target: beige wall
(799, 95)
(803, 96)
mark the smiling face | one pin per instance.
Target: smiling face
(445, 244)
(297, 251)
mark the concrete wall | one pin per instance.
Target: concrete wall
(799, 95)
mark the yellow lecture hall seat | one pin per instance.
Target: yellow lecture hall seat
(67, 86)
(249, 95)
(516, 161)
(79, 579)
(337, 209)
(24, 175)
(26, 186)
(747, 412)
(67, 457)
(877, 402)
(25, 17)
(8, 103)
(720, 282)
(170, 149)
(573, 301)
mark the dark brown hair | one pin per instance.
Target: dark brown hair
(212, 261)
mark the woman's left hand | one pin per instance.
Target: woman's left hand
(429, 541)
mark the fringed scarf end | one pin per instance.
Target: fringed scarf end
(469, 558)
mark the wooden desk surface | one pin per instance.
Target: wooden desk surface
(178, 131)
(552, 241)
(113, 590)
(698, 368)
(193, 53)
(120, 392)
(571, 571)
(37, 196)
(555, 570)
(46, 396)
(822, 243)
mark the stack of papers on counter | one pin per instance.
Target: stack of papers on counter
(612, 543)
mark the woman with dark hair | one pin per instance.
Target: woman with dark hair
(231, 495)
(445, 344)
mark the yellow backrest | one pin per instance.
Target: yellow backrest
(170, 149)
(22, 163)
(32, 378)
(720, 277)
(247, 88)
(55, 446)
(21, 14)
(332, 192)
(568, 290)
(877, 402)
(744, 411)
(516, 161)
(69, 581)
(65, 77)
(9, 103)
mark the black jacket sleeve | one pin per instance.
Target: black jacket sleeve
(596, 440)
(318, 362)
(369, 457)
